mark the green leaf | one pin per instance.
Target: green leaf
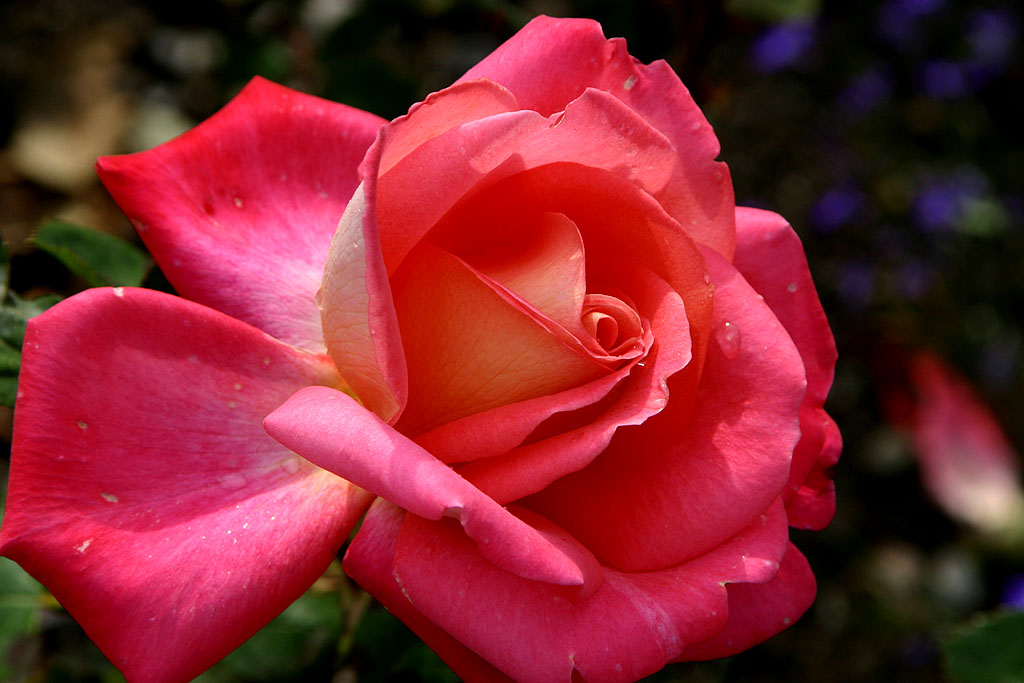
(773, 10)
(5, 270)
(98, 258)
(10, 359)
(20, 600)
(988, 650)
(298, 645)
(15, 312)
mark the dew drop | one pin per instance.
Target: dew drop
(728, 338)
(238, 202)
(109, 497)
(630, 82)
(291, 465)
(791, 288)
(83, 425)
(118, 291)
(139, 225)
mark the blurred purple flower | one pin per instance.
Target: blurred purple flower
(865, 91)
(1013, 593)
(992, 34)
(947, 79)
(914, 280)
(940, 203)
(897, 20)
(857, 284)
(782, 45)
(836, 208)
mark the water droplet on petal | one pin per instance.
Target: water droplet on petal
(728, 338)
(791, 288)
(118, 291)
(291, 465)
(238, 202)
(630, 82)
(109, 497)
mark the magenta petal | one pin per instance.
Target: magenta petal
(757, 611)
(144, 492)
(331, 430)
(239, 211)
(771, 258)
(630, 627)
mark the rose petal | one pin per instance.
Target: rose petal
(239, 211)
(333, 431)
(550, 62)
(439, 113)
(358, 317)
(686, 481)
(757, 611)
(373, 556)
(628, 628)
(469, 349)
(545, 268)
(496, 431)
(771, 258)
(144, 492)
(596, 130)
(621, 226)
(530, 468)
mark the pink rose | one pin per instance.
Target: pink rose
(586, 387)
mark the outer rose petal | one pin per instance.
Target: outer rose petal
(684, 482)
(239, 211)
(144, 492)
(631, 626)
(757, 611)
(332, 430)
(550, 62)
(373, 559)
(771, 258)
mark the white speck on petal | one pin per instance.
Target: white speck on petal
(630, 82)
(109, 497)
(118, 291)
(85, 544)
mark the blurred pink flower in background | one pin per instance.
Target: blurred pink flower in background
(968, 465)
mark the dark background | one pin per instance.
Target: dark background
(888, 133)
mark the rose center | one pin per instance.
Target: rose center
(613, 324)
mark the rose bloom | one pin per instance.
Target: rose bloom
(575, 390)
